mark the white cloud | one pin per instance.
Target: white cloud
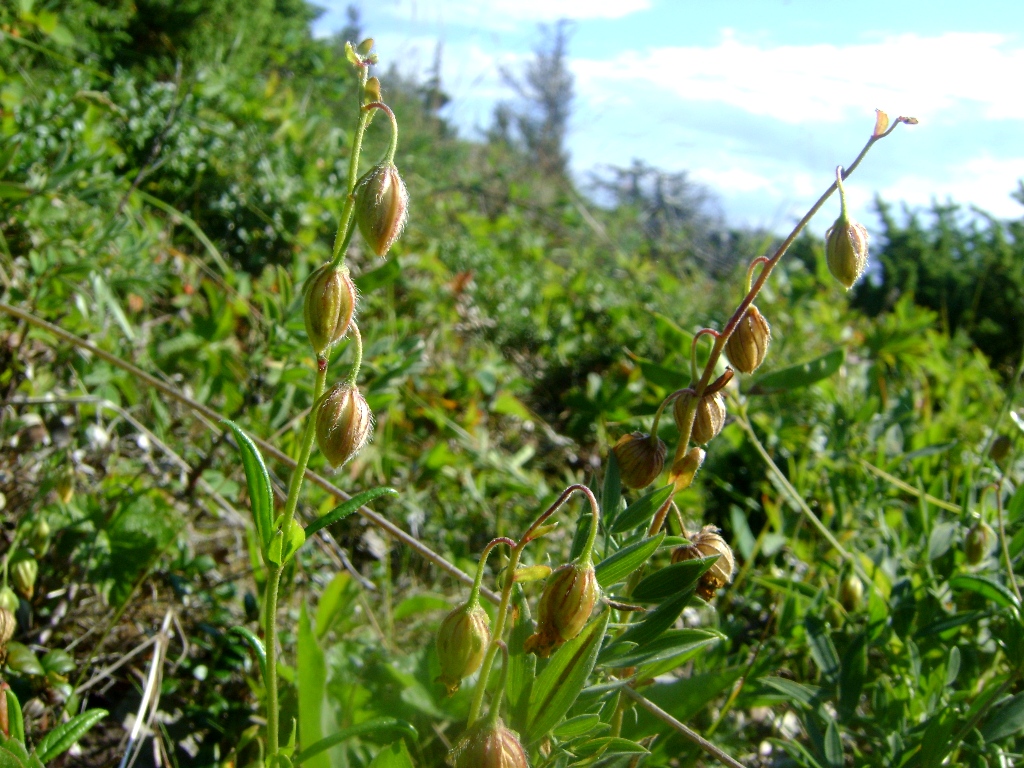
(921, 76)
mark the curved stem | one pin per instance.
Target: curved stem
(393, 146)
(474, 593)
(354, 373)
(693, 350)
(750, 271)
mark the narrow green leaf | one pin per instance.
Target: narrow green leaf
(935, 744)
(561, 681)
(370, 727)
(578, 726)
(1005, 721)
(344, 510)
(822, 649)
(312, 689)
(413, 605)
(579, 539)
(614, 569)
(641, 510)
(611, 491)
(606, 746)
(940, 540)
(833, 746)
(657, 621)
(261, 495)
(63, 737)
(672, 580)
(393, 756)
(335, 602)
(797, 693)
(522, 666)
(532, 573)
(15, 720)
(987, 588)
(797, 376)
(673, 643)
(952, 622)
(256, 646)
(294, 540)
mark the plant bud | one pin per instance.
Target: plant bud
(1000, 448)
(846, 250)
(7, 626)
(686, 468)
(461, 641)
(851, 593)
(8, 599)
(748, 344)
(39, 536)
(566, 604)
(488, 745)
(330, 300)
(24, 570)
(641, 458)
(705, 543)
(708, 419)
(344, 424)
(978, 542)
(382, 206)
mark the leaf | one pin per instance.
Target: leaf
(261, 496)
(822, 649)
(657, 621)
(685, 697)
(578, 726)
(8, 760)
(312, 689)
(370, 281)
(672, 580)
(376, 725)
(522, 666)
(23, 660)
(797, 376)
(1005, 721)
(256, 645)
(611, 490)
(531, 573)
(940, 540)
(15, 719)
(660, 376)
(63, 737)
(935, 744)
(347, 508)
(614, 569)
(797, 693)
(951, 622)
(416, 604)
(987, 588)
(833, 745)
(561, 681)
(676, 642)
(579, 539)
(295, 539)
(641, 510)
(393, 756)
(607, 746)
(334, 602)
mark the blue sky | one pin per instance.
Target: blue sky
(758, 100)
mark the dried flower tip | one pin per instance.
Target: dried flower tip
(24, 571)
(748, 344)
(708, 418)
(564, 608)
(979, 542)
(846, 250)
(641, 458)
(330, 300)
(489, 745)
(382, 206)
(851, 592)
(462, 639)
(344, 424)
(705, 543)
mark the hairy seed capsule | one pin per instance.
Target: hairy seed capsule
(488, 745)
(641, 458)
(851, 593)
(978, 542)
(382, 206)
(330, 300)
(708, 419)
(686, 468)
(7, 626)
(566, 604)
(462, 639)
(705, 543)
(344, 424)
(748, 344)
(24, 570)
(846, 250)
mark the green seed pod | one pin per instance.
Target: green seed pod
(39, 536)
(846, 250)
(851, 593)
(382, 206)
(748, 344)
(462, 639)
(564, 608)
(8, 599)
(686, 468)
(1000, 448)
(344, 424)
(979, 542)
(705, 543)
(329, 302)
(708, 419)
(641, 458)
(24, 570)
(7, 626)
(489, 745)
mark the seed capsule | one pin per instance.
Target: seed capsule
(978, 542)
(846, 250)
(7, 626)
(344, 424)
(748, 344)
(705, 543)
(566, 604)
(488, 745)
(851, 593)
(708, 419)
(641, 458)
(382, 206)
(330, 300)
(461, 641)
(8, 599)
(24, 571)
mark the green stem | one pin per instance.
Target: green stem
(345, 224)
(492, 716)
(1007, 560)
(357, 337)
(474, 593)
